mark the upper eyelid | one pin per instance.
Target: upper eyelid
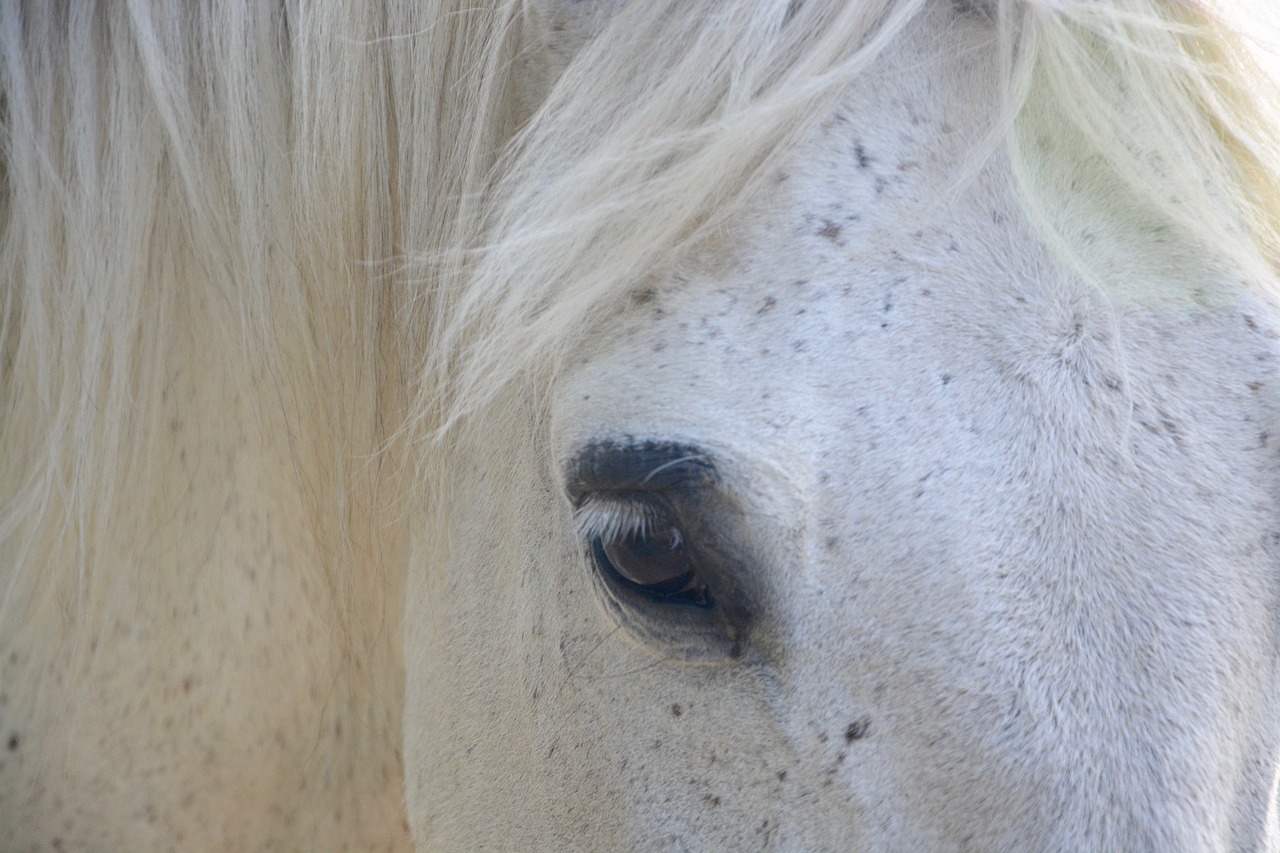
(636, 466)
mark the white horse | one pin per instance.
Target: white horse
(722, 425)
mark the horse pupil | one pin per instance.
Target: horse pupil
(658, 561)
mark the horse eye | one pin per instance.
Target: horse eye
(657, 564)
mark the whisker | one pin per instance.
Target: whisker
(693, 457)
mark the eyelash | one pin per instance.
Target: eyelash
(613, 518)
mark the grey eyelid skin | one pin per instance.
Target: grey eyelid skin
(636, 465)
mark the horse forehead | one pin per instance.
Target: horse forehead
(845, 259)
(865, 278)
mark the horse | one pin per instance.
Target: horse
(733, 425)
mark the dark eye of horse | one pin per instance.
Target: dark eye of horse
(657, 564)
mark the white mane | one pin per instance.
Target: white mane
(219, 171)
(262, 176)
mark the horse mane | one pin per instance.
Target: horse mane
(233, 178)
(347, 204)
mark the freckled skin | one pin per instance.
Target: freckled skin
(1003, 539)
(217, 699)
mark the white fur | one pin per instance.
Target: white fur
(1000, 479)
(305, 308)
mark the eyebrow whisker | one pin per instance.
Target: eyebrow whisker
(693, 457)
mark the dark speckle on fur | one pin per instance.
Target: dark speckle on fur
(864, 160)
(857, 730)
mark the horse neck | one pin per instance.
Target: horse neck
(247, 543)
